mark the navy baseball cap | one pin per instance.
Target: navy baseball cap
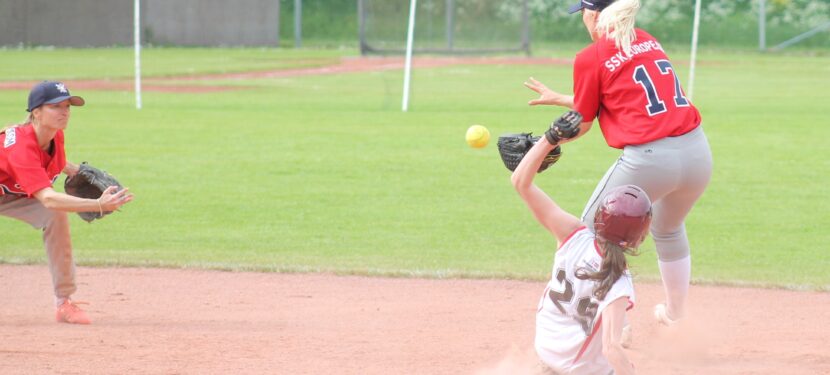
(591, 5)
(51, 92)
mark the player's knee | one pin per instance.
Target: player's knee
(667, 235)
(60, 217)
(52, 218)
(672, 254)
(671, 245)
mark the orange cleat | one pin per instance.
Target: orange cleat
(69, 312)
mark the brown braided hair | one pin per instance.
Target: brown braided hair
(613, 266)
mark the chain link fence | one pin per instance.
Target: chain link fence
(497, 23)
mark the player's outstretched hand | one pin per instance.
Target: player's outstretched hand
(546, 95)
(112, 199)
(93, 183)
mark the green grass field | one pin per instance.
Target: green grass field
(324, 173)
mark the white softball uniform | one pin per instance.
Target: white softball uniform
(569, 317)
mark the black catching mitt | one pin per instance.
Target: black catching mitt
(513, 147)
(90, 183)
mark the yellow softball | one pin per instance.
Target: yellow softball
(477, 136)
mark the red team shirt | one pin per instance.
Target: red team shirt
(637, 98)
(25, 168)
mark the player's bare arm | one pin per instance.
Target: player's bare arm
(556, 220)
(548, 96)
(613, 320)
(110, 200)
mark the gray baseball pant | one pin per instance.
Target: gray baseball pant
(674, 172)
(55, 226)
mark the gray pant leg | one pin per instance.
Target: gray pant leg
(56, 238)
(674, 173)
(634, 167)
(667, 226)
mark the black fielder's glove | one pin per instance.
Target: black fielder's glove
(90, 183)
(564, 127)
(513, 147)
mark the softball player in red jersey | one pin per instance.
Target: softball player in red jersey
(626, 81)
(31, 159)
(580, 318)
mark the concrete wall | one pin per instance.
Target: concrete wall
(213, 22)
(95, 23)
(66, 22)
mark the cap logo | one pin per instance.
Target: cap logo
(61, 87)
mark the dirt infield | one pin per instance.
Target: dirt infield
(157, 321)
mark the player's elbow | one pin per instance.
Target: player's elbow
(47, 198)
(515, 179)
(50, 203)
(519, 181)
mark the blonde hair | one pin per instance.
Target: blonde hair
(30, 119)
(617, 22)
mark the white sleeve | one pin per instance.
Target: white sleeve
(624, 287)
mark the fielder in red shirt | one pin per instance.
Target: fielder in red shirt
(626, 82)
(32, 157)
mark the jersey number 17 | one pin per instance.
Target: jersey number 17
(655, 104)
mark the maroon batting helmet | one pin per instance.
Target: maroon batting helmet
(623, 216)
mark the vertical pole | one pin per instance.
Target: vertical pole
(137, 42)
(450, 23)
(279, 13)
(407, 75)
(298, 23)
(695, 31)
(361, 26)
(762, 25)
(525, 28)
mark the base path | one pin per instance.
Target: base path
(163, 321)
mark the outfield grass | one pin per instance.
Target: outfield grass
(324, 173)
(115, 63)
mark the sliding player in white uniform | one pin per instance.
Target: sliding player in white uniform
(579, 322)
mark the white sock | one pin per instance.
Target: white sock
(676, 277)
(60, 300)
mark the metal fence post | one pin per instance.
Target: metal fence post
(525, 28)
(762, 25)
(277, 42)
(298, 23)
(450, 23)
(800, 37)
(361, 26)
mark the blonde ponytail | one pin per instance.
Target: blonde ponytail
(29, 120)
(617, 22)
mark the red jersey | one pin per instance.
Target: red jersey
(25, 168)
(637, 98)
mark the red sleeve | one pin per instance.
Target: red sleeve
(25, 168)
(587, 83)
